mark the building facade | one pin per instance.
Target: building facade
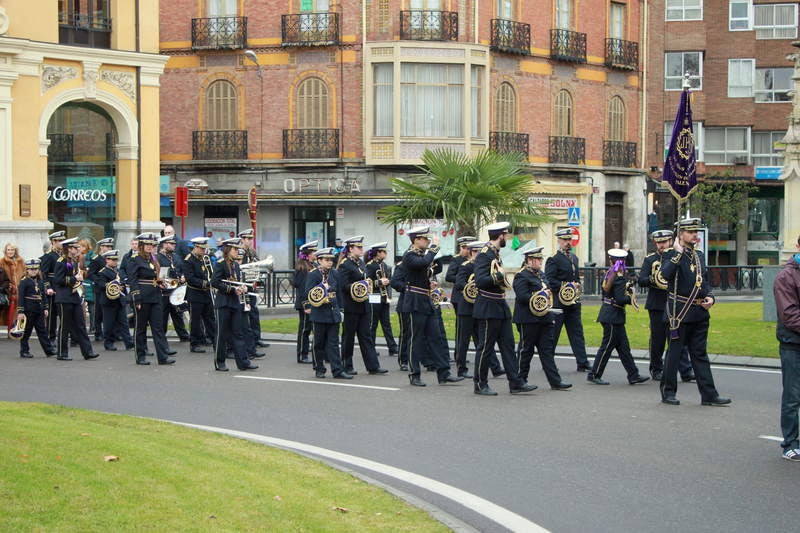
(735, 53)
(79, 127)
(319, 103)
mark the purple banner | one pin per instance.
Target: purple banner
(680, 172)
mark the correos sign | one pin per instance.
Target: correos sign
(62, 194)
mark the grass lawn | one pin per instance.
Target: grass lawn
(55, 477)
(736, 329)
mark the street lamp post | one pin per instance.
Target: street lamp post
(251, 55)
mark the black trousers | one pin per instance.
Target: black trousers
(72, 325)
(466, 329)
(254, 318)
(203, 324)
(693, 335)
(493, 331)
(380, 314)
(358, 325)
(424, 348)
(571, 319)
(150, 314)
(326, 347)
(52, 319)
(403, 347)
(659, 328)
(97, 320)
(115, 325)
(615, 337)
(304, 328)
(170, 311)
(35, 321)
(230, 329)
(538, 336)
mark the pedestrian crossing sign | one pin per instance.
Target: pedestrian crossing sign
(574, 218)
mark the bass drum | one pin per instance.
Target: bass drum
(178, 296)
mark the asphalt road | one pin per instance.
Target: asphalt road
(590, 459)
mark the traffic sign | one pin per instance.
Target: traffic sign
(574, 216)
(576, 237)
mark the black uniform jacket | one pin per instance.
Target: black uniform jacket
(491, 300)
(98, 262)
(398, 282)
(452, 275)
(416, 298)
(64, 274)
(656, 298)
(102, 278)
(329, 313)
(560, 268)
(226, 292)
(30, 296)
(197, 277)
(299, 284)
(614, 301)
(465, 270)
(142, 276)
(528, 282)
(373, 271)
(124, 263)
(47, 267)
(351, 271)
(685, 271)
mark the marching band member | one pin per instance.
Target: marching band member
(536, 330)
(493, 316)
(47, 266)
(357, 310)
(174, 265)
(115, 317)
(229, 304)
(197, 271)
(145, 285)
(455, 295)
(689, 299)
(97, 262)
(33, 306)
(617, 293)
(398, 283)
(562, 269)
(303, 265)
(380, 273)
(322, 292)
(254, 318)
(66, 280)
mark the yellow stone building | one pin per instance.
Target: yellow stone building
(79, 120)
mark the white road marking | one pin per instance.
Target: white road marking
(494, 512)
(770, 437)
(329, 383)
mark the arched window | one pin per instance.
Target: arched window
(222, 106)
(562, 114)
(616, 119)
(312, 104)
(505, 108)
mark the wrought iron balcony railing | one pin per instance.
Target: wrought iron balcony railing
(566, 45)
(619, 154)
(567, 150)
(83, 29)
(219, 144)
(219, 33)
(311, 144)
(507, 142)
(428, 25)
(511, 36)
(60, 149)
(310, 29)
(622, 54)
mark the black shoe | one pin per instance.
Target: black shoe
(257, 355)
(167, 361)
(304, 361)
(378, 370)
(26, 355)
(131, 347)
(670, 400)
(688, 378)
(638, 379)
(91, 356)
(262, 344)
(525, 387)
(249, 366)
(415, 381)
(172, 352)
(142, 362)
(220, 367)
(561, 386)
(64, 358)
(184, 339)
(320, 374)
(719, 400)
(499, 373)
(484, 390)
(584, 368)
(149, 354)
(465, 374)
(343, 375)
(657, 375)
(404, 367)
(197, 349)
(351, 371)
(450, 379)
(110, 348)
(597, 381)
(50, 354)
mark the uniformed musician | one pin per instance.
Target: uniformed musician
(380, 274)
(655, 305)
(689, 298)
(198, 271)
(169, 260)
(103, 245)
(229, 304)
(306, 257)
(398, 282)
(493, 316)
(417, 303)
(32, 304)
(618, 292)
(66, 280)
(561, 271)
(536, 330)
(455, 295)
(249, 255)
(115, 319)
(46, 268)
(357, 310)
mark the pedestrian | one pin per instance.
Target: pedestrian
(306, 257)
(787, 300)
(33, 307)
(13, 267)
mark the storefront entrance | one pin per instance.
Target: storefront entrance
(313, 224)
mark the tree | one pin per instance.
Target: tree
(468, 192)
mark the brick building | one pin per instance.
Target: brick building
(319, 103)
(735, 53)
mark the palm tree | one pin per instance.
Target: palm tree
(467, 192)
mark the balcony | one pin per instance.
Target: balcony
(568, 45)
(310, 29)
(79, 29)
(60, 149)
(219, 144)
(219, 33)
(428, 26)
(622, 54)
(567, 150)
(619, 154)
(311, 144)
(506, 142)
(510, 36)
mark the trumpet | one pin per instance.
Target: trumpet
(381, 286)
(242, 284)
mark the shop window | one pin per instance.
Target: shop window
(763, 219)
